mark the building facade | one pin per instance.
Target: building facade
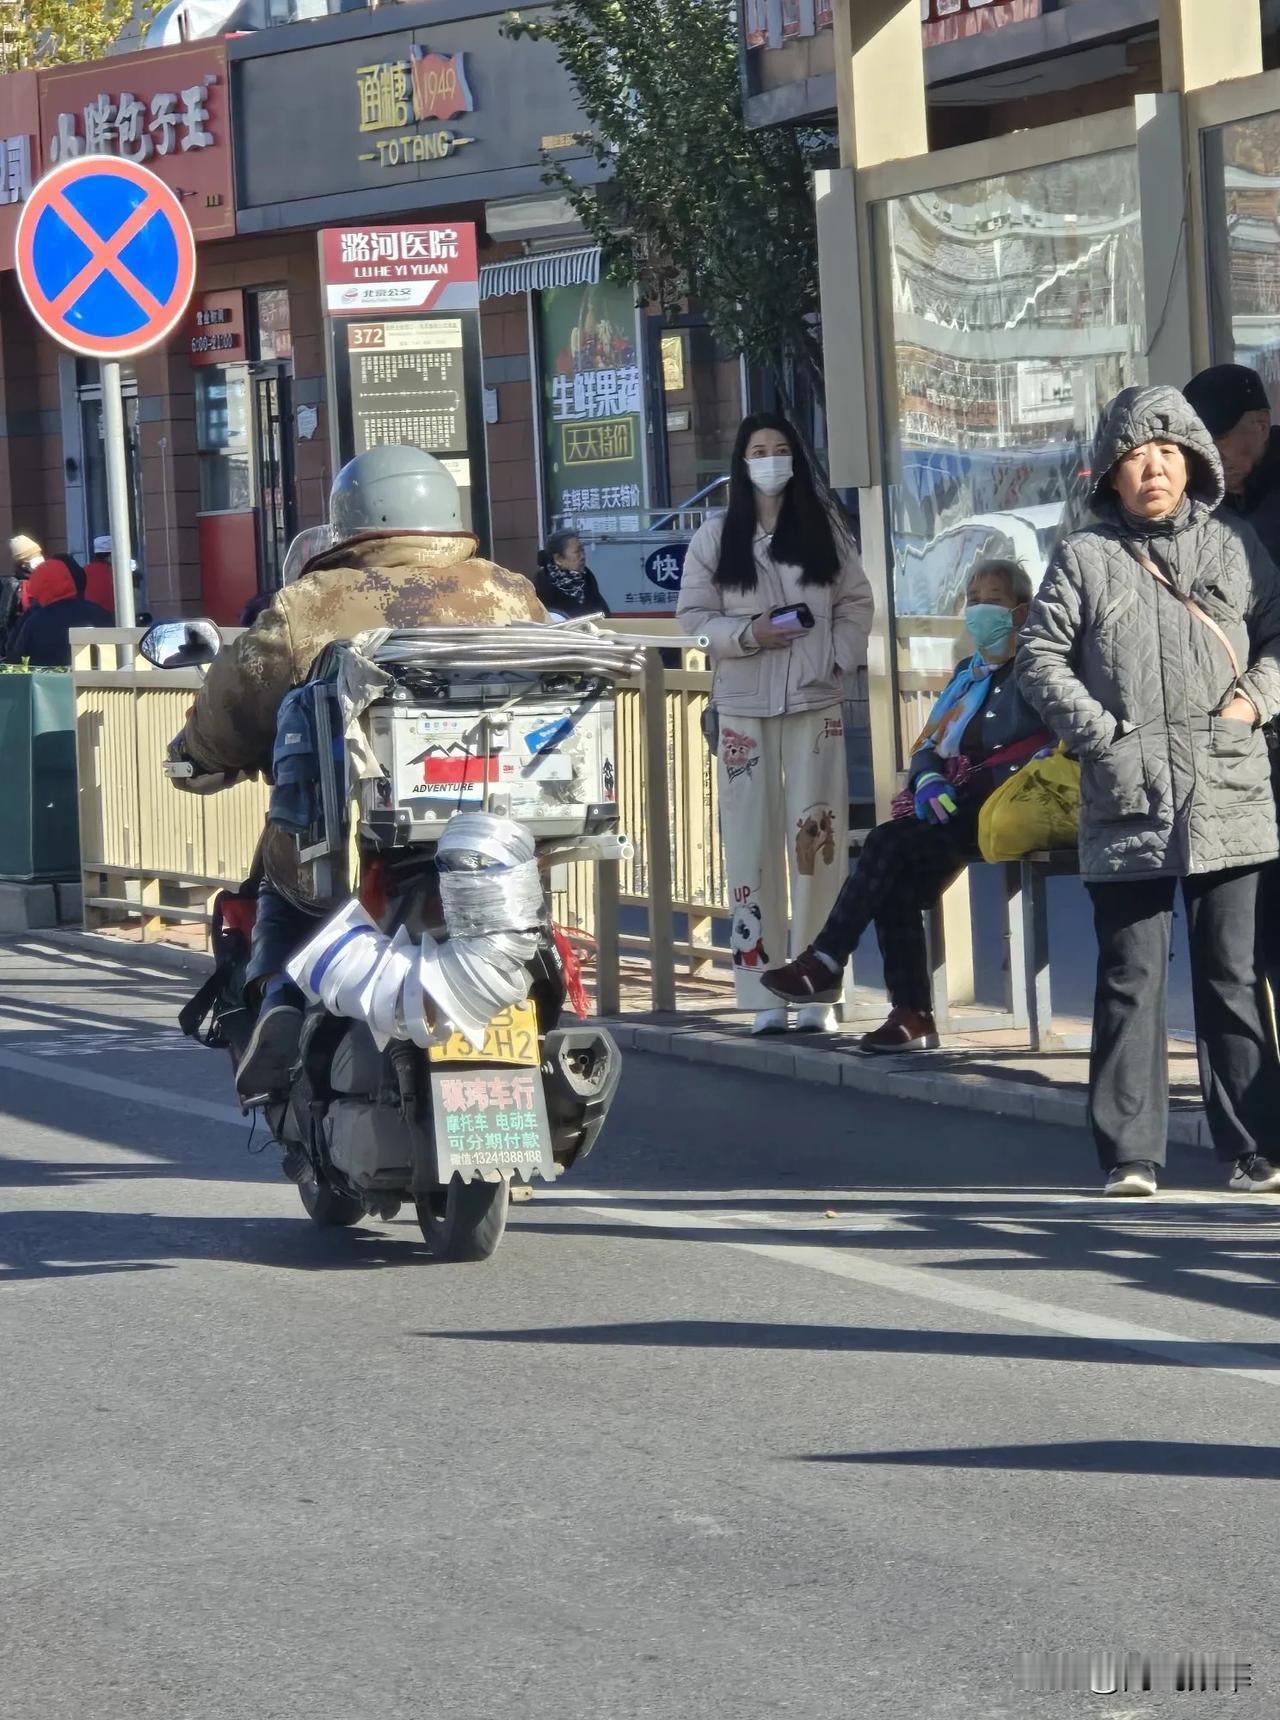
(370, 136)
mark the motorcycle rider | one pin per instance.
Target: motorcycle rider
(400, 557)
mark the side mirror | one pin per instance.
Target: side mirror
(180, 644)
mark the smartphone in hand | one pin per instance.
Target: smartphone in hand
(792, 618)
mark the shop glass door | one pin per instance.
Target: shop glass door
(277, 525)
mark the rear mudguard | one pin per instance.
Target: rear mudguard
(581, 1068)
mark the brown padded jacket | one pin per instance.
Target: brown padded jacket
(398, 580)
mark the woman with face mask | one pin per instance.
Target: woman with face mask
(776, 586)
(979, 733)
(1153, 651)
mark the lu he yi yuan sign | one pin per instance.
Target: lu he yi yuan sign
(417, 268)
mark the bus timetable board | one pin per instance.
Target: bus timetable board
(415, 381)
(402, 307)
(408, 385)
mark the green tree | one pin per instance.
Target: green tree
(56, 32)
(697, 205)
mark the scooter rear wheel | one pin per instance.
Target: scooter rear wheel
(465, 1221)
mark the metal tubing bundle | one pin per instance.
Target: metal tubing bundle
(491, 893)
(521, 649)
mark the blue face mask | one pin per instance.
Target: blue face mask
(990, 626)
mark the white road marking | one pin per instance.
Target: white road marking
(58, 1075)
(1233, 1359)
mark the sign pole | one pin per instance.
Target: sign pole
(113, 439)
(140, 236)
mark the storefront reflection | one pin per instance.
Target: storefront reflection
(1242, 195)
(1015, 312)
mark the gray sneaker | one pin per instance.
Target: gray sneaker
(270, 1055)
(1254, 1175)
(1138, 1177)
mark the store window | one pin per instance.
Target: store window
(1011, 312)
(93, 455)
(222, 439)
(1242, 194)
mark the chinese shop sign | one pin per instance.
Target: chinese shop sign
(592, 413)
(165, 110)
(402, 96)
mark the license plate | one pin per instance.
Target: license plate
(510, 1038)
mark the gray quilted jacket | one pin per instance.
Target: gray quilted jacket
(1130, 679)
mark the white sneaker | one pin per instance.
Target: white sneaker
(769, 1021)
(817, 1018)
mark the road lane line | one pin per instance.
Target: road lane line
(49, 1074)
(1237, 1360)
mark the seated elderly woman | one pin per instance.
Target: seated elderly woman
(979, 733)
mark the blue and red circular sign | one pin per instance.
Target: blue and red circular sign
(105, 257)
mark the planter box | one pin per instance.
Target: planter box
(39, 834)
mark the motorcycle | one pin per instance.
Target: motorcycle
(447, 1120)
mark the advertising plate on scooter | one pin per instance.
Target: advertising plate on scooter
(510, 1038)
(490, 1120)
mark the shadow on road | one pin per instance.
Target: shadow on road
(60, 1244)
(1144, 1457)
(884, 1340)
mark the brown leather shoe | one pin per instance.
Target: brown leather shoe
(905, 1030)
(807, 979)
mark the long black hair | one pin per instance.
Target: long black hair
(805, 535)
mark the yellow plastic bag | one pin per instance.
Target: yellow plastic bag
(1037, 808)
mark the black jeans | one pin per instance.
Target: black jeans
(903, 869)
(1129, 1066)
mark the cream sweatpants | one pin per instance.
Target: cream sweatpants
(784, 811)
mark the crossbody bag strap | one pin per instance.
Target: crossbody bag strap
(1162, 578)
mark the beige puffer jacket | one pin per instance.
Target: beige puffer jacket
(806, 675)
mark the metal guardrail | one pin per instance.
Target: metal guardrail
(156, 858)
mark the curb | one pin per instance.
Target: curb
(161, 958)
(862, 1074)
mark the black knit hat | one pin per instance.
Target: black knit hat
(1221, 395)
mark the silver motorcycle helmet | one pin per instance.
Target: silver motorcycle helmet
(304, 548)
(393, 489)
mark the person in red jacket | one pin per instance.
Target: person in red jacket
(99, 580)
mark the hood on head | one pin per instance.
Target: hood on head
(1141, 415)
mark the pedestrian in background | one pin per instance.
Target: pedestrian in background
(57, 605)
(26, 554)
(980, 732)
(1153, 651)
(776, 586)
(99, 579)
(1232, 403)
(565, 584)
(1234, 406)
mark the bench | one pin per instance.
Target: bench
(1029, 997)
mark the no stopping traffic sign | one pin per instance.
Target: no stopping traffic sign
(105, 257)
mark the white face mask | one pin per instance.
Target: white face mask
(771, 473)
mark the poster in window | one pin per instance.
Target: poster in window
(592, 417)
(950, 20)
(755, 19)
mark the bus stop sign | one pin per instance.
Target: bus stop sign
(105, 257)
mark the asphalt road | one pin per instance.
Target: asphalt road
(789, 1403)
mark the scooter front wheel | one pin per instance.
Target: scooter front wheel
(325, 1206)
(464, 1221)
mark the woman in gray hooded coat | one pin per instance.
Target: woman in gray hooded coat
(1153, 652)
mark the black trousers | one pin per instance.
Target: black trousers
(903, 869)
(1129, 1065)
